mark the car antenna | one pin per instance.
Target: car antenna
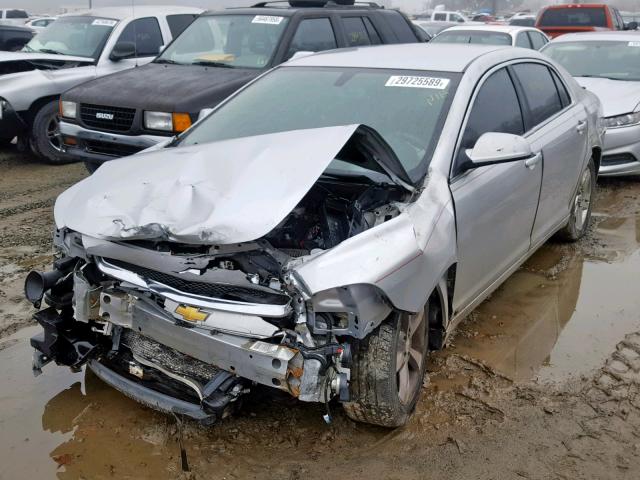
(135, 35)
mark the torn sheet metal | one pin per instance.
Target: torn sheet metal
(231, 191)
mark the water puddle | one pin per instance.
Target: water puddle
(561, 315)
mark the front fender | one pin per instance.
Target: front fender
(405, 257)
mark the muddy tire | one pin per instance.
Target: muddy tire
(388, 370)
(46, 140)
(581, 206)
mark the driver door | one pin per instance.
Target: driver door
(495, 205)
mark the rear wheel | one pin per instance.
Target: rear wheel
(388, 370)
(46, 137)
(581, 207)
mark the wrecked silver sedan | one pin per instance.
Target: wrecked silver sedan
(320, 231)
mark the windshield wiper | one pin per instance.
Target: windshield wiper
(213, 63)
(48, 50)
(166, 61)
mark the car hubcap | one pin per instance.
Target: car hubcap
(54, 135)
(409, 355)
(583, 201)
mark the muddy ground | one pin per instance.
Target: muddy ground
(541, 382)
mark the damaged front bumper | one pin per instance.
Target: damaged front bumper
(160, 340)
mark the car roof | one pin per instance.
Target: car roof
(510, 29)
(412, 56)
(122, 13)
(611, 36)
(289, 11)
(575, 5)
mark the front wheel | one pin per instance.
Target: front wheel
(388, 371)
(46, 137)
(580, 217)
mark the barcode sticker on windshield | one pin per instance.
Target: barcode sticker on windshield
(417, 82)
(268, 19)
(634, 44)
(103, 22)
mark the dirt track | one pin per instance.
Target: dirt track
(542, 381)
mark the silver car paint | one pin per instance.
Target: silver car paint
(410, 256)
(22, 89)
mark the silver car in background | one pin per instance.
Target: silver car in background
(516, 36)
(608, 64)
(321, 230)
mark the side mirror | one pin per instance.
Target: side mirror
(123, 50)
(493, 148)
(631, 26)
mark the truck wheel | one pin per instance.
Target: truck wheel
(388, 370)
(581, 206)
(45, 134)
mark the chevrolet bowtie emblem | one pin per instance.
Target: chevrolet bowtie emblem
(191, 314)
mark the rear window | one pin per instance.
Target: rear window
(574, 17)
(17, 14)
(471, 36)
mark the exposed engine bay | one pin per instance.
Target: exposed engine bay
(190, 328)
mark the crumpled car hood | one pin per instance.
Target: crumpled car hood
(226, 192)
(33, 56)
(617, 97)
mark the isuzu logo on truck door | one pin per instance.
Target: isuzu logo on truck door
(104, 116)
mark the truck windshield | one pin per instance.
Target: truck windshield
(407, 108)
(78, 36)
(577, 16)
(470, 36)
(246, 41)
(607, 59)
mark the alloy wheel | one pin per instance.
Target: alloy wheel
(410, 350)
(582, 202)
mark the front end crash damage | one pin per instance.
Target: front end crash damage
(190, 326)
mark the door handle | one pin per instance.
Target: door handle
(531, 163)
(582, 126)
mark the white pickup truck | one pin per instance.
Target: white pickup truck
(75, 49)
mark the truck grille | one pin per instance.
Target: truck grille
(111, 149)
(111, 119)
(211, 290)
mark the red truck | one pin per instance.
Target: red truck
(556, 20)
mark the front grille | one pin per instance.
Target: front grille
(212, 290)
(111, 149)
(114, 119)
(618, 159)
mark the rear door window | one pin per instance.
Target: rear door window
(495, 109)
(523, 41)
(537, 40)
(574, 17)
(440, 17)
(356, 32)
(313, 35)
(565, 98)
(374, 36)
(178, 23)
(540, 92)
(145, 34)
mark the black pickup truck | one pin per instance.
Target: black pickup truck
(221, 51)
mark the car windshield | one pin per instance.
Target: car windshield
(574, 17)
(470, 36)
(82, 36)
(247, 41)
(608, 59)
(406, 108)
